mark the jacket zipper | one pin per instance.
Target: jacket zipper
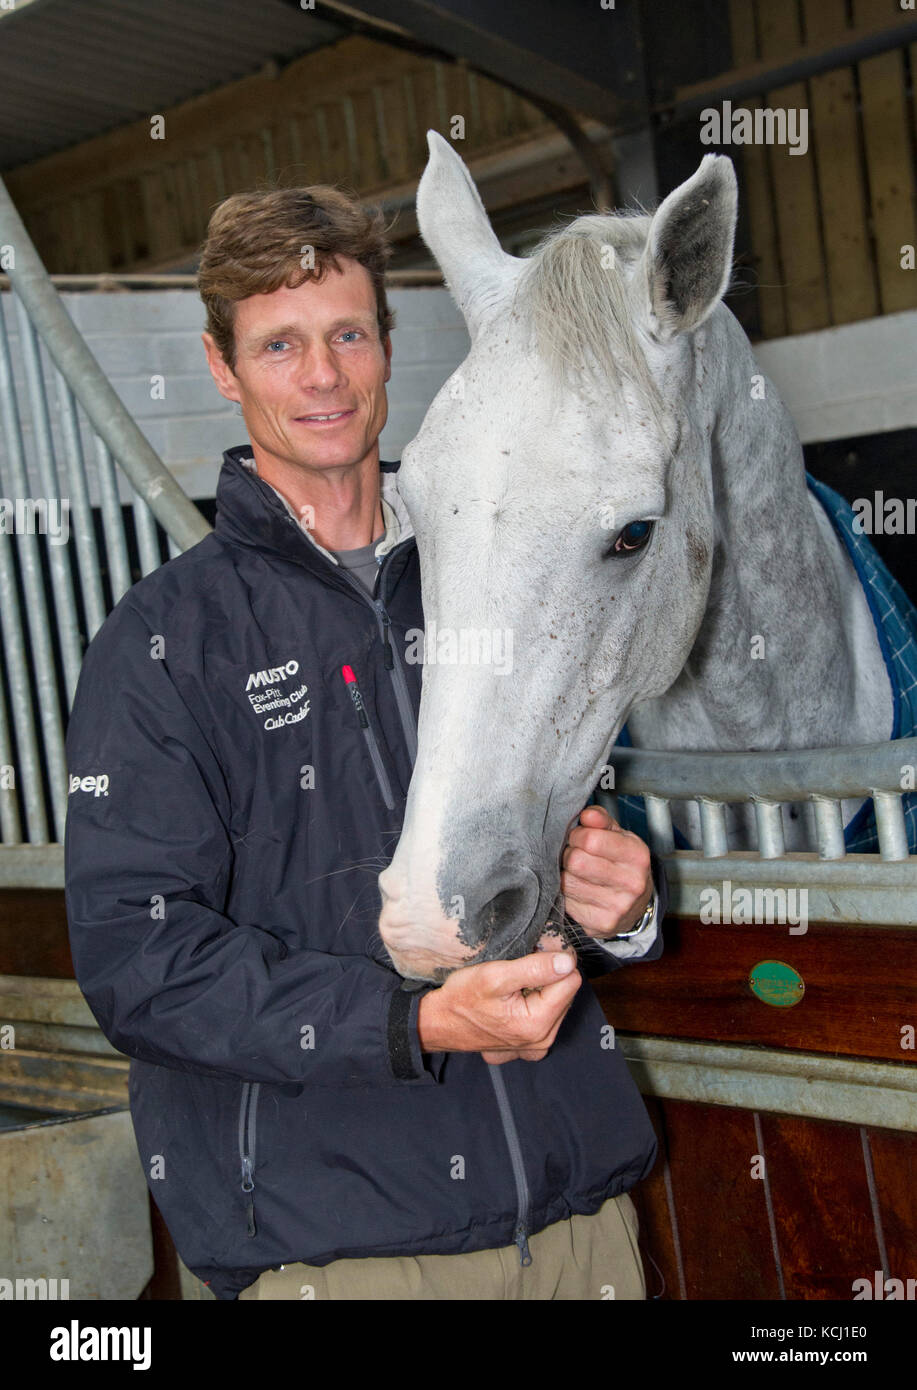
(392, 662)
(385, 785)
(247, 1112)
(396, 671)
(520, 1235)
(393, 665)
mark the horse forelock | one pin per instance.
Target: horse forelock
(579, 303)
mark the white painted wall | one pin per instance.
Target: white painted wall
(139, 336)
(857, 379)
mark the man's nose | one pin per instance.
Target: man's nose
(321, 369)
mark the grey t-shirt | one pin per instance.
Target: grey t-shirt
(362, 564)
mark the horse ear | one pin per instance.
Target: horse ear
(688, 256)
(454, 224)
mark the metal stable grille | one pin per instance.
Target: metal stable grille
(60, 572)
(861, 888)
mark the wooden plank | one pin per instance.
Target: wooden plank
(858, 988)
(725, 1241)
(793, 181)
(157, 214)
(894, 1162)
(820, 1196)
(657, 1237)
(887, 133)
(852, 289)
(756, 180)
(33, 933)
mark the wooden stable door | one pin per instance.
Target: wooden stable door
(754, 1204)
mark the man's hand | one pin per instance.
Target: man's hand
(503, 1009)
(606, 876)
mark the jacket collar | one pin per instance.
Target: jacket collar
(251, 512)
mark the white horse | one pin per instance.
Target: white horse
(610, 488)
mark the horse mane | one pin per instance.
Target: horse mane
(580, 307)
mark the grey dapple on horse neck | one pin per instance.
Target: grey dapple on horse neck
(605, 483)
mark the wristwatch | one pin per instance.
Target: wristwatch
(644, 922)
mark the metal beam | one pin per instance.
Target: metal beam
(807, 61)
(106, 412)
(587, 60)
(879, 1094)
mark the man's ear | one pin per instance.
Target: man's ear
(387, 348)
(222, 373)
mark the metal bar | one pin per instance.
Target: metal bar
(608, 799)
(28, 770)
(789, 775)
(147, 537)
(769, 818)
(81, 520)
(659, 823)
(10, 824)
(113, 522)
(68, 635)
(891, 826)
(39, 632)
(32, 866)
(829, 828)
(713, 828)
(879, 1094)
(860, 889)
(109, 418)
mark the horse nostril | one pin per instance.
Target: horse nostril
(503, 910)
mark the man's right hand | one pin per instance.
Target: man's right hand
(481, 1008)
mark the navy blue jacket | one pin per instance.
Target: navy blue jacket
(227, 820)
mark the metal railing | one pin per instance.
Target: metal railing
(59, 575)
(877, 889)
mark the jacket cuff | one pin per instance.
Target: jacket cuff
(407, 1061)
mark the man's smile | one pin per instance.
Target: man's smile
(327, 418)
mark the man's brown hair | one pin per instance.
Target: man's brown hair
(257, 242)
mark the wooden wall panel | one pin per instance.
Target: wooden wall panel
(887, 128)
(354, 113)
(894, 1163)
(757, 187)
(724, 1235)
(659, 1236)
(859, 988)
(835, 140)
(828, 226)
(33, 934)
(842, 1205)
(793, 182)
(820, 1195)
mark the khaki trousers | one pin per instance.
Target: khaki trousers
(585, 1257)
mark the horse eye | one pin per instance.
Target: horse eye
(633, 537)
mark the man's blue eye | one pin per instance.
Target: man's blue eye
(350, 332)
(281, 341)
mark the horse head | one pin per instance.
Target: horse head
(565, 535)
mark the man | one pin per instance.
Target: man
(306, 1119)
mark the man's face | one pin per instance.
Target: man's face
(303, 355)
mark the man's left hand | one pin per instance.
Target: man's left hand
(606, 875)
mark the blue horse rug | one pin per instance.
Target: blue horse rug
(895, 619)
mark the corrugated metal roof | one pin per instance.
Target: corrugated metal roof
(72, 69)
